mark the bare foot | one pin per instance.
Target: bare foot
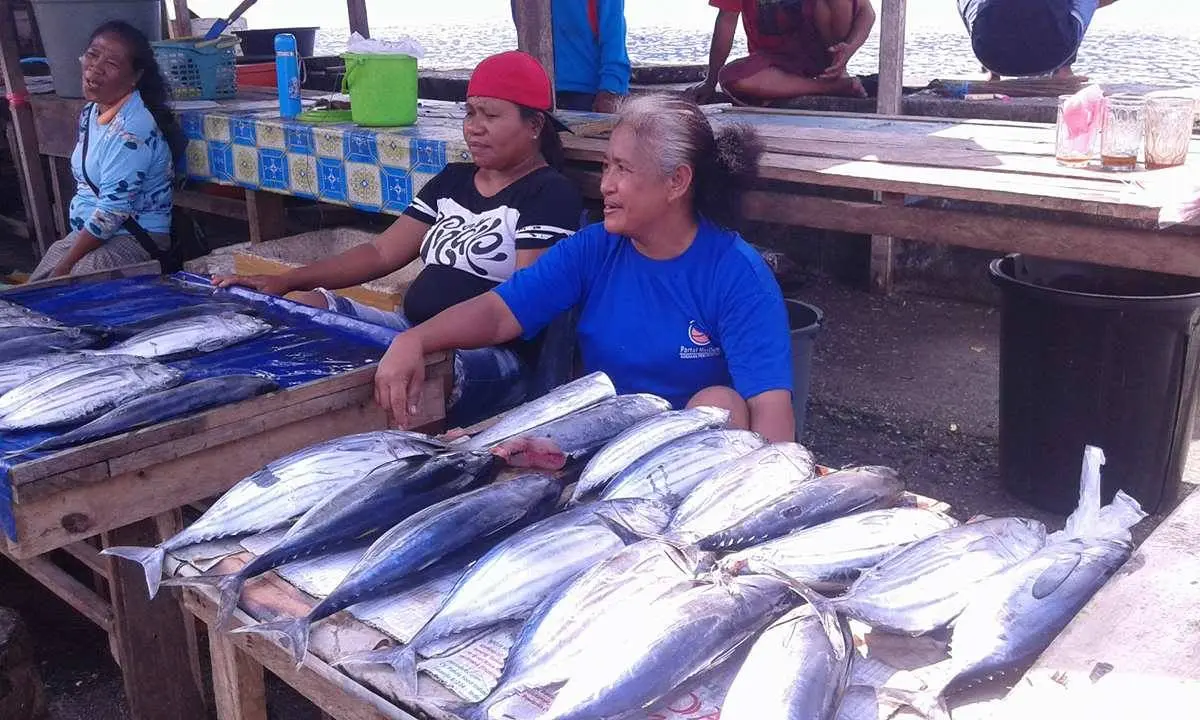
(1065, 73)
(849, 86)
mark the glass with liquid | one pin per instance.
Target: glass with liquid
(1072, 150)
(1124, 128)
(1168, 131)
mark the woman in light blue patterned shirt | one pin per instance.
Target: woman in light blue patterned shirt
(123, 161)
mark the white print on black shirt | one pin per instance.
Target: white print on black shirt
(700, 344)
(483, 244)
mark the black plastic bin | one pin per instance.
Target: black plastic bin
(1095, 356)
(805, 321)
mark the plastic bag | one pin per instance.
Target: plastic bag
(1182, 205)
(1083, 111)
(401, 46)
(1091, 521)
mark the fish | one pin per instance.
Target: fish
(511, 580)
(200, 334)
(65, 339)
(833, 554)
(10, 310)
(741, 488)
(559, 402)
(160, 406)
(129, 329)
(673, 470)
(17, 372)
(38, 385)
(674, 638)
(583, 431)
(14, 332)
(810, 503)
(490, 513)
(639, 440)
(31, 320)
(797, 669)
(284, 489)
(90, 395)
(926, 585)
(569, 620)
(355, 516)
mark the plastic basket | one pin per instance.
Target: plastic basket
(196, 69)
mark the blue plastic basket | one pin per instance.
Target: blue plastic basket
(196, 69)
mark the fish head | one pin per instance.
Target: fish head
(633, 519)
(156, 373)
(1022, 537)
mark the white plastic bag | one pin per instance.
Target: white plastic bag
(402, 46)
(1090, 520)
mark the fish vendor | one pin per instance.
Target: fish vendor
(123, 160)
(671, 299)
(473, 225)
(1028, 37)
(797, 47)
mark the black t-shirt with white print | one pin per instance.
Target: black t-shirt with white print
(471, 245)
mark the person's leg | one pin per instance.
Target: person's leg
(116, 252)
(324, 299)
(833, 19)
(772, 83)
(724, 397)
(572, 100)
(487, 381)
(54, 254)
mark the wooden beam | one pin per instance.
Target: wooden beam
(211, 204)
(265, 211)
(891, 57)
(86, 553)
(30, 163)
(882, 246)
(183, 19)
(70, 590)
(62, 182)
(535, 34)
(357, 10)
(238, 684)
(149, 267)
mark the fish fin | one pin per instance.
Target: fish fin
(835, 629)
(1055, 575)
(150, 558)
(927, 703)
(293, 632)
(402, 658)
(613, 520)
(228, 586)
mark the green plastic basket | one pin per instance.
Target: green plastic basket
(196, 69)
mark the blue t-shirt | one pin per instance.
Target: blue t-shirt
(712, 316)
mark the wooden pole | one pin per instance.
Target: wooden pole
(183, 19)
(890, 102)
(30, 162)
(357, 10)
(535, 34)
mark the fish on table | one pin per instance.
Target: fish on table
(14, 373)
(58, 373)
(198, 334)
(673, 470)
(58, 340)
(89, 396)
(558, 403)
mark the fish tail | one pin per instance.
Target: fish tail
(228, 586)
(402, 658)
(928, 703)
(150, 558)
(293, 632)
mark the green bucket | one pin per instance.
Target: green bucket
(382, 88)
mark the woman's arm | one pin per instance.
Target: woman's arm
(724, 30)
(771, 416)
(85, 242)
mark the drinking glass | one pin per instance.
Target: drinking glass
(1072, 151)
(1124, 126)
(1168, 131)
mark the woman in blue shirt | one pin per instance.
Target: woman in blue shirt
(671, 300)
(122, 161)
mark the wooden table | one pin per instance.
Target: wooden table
(979, 184)
(128, 490)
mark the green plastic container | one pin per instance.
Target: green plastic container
(382, 88)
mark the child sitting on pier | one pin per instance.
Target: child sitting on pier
(1028, 37)
(797, 47)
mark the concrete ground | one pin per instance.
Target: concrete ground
(907, 381)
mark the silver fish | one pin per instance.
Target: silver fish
(9, 310)
(742, 488)
(569, 621)
(673, 470)
(282, 491)
(55, 341)
(17, 372)
(675, 638)
(797, 669)
(583, 431)
(91, 395)
(29, 320)
(834, 553)
(927, 584)
(56, 375)
(810, 503)
(559, 402)
(633, 444)
(201, 334)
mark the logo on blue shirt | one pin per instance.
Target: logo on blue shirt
(701, 344)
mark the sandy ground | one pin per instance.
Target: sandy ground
(906, 381)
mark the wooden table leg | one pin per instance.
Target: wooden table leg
(62, 182)
(882, 252)
(153, 638)
(238, 684)
(266, 214)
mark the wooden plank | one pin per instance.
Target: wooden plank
(238, 684)
(71, 591)
(47, 523)
(357, 10)
(891, 56)
(14, 227)
(14, 149)
(1151, 250)
(182, 25)
(33, 180)
(882, 269)
(87, 554)
(211, 204)
(57, 121)
(147, 268)
(62, 182)
(267, 216)
(535, 34)
(1135, 640)
(152, 634)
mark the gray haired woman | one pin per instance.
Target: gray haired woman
(671, 299)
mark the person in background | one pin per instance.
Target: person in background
(797, 47)
(591, 64)
(1028, 37)
(123, 161)
(672, 300)
(473, 224)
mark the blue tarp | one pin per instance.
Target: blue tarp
(307, 344)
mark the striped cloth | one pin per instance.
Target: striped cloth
(119, 251)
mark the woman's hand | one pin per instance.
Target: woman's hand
(400, 377)
(62, 269)
(269, 284)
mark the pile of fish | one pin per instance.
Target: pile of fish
(684, 547)
(53, 376)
